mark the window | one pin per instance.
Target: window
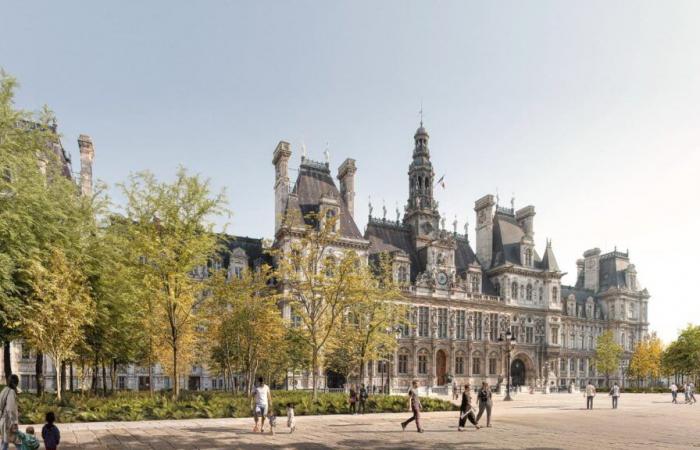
(572, 340)
(461, 324)
(423, 312)
(403, 364)
(555, 294)
(26, 351)
(403, 275)
(514, 291)
(422, 364)
(492, 366)
(459, 365)
(529, 335)
(296, 320)
(528, 257)
(27, 382)
(477, 326)
(381, 367)
(237, 272)
(476, 365)
(405, 327)
(528, 295)
(330, 266)
(572, 365)
(591, 345)
(580, 365)
(555, 336)
(497, 287)
(581, 341)
(121, 382)
(476, 282)
(493, 327)
(442, 323)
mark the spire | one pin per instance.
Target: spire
(549, 262)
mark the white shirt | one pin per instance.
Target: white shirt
(261, 395)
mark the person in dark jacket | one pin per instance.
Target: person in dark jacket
(363, 399)
(465, 410)
(485, 403)
(50, 433)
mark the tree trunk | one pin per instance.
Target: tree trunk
(104, 379)
(39, 370)
(94, 377)
(176, 385)
(113, 374)
(7, 360)
(314, 369)
(59, 387)
(70, 381)
(63, 375)
(150, 377)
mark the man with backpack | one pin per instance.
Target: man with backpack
(485, 403)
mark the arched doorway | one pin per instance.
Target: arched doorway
(334, 380)
(441, 367)
(517, 372)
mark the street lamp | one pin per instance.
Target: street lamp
(509, 341)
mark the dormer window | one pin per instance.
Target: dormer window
(402, 275)
(514, 290)
(476, 282)
(528, 257)
(528, 293)
(555, 294)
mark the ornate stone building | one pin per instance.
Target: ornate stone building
(462, 301)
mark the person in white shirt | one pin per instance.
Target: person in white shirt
(262, 402)
(674, 393)
(590, 393)
(615, 394)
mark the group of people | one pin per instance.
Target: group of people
(688, 390)
(356, 398)
(9, 423)
(466, 409)
(590, 392)
(262, 408)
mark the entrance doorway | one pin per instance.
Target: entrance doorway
(517, 373)
(441, 367)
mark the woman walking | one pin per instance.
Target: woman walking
(465, 410)
(9, 414)
(353, 401)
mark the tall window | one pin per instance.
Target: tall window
(591, 345)
(514, 291)
(403, 274)
(555, 294)
(493, 327)
(403, 363)
(422, 364)
(541, 293)
(405, 327)
(572, 340)
(562, 365)
(528, 293)
(461, 323)
(476, 282)
(26, 351)
(477, 326)
(555, 336)
(528, 335)
(492, 366)
(572, 365)
(497, 287)
(528, 257)
(459, 365)
(423, 312)
(442, 323)
(581, 341)
(476, 365)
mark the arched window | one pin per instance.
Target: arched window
(528, 257)
(528, 295)
(514, 290)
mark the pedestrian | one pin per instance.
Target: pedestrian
(674, 393)
(414, 406)
(353, 400)
(686, 391)
(590, 393)
(691, 394)
(272, 419)
(9, 414)
(466, 409)
(27, 440)
(291, 421)
(485, 403)
(363, 398)
(50, 432)
(262, 403)
(455, 390)
(615, 394)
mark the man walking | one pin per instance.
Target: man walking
(615, 394)
(674, 393)
(590, 393)
(363, 399)
(262, 403)
(691, 394)
(485, 403)
(686, 391)
(414, 406)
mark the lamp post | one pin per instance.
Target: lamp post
(509, 341)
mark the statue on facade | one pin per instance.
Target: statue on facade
(452, 322)
(487, 323)
(369, 200)
(434, 322)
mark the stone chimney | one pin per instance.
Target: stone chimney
(526, 217)
(280, 159)
(484, 229)
(87, 154)
(346, 176)
(591, 270)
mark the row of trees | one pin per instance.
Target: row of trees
(97, 288)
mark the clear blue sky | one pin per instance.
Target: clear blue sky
(588, 110)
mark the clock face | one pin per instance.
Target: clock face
(442, 278)
(427, 227)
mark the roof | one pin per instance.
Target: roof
(581, 295)
(549, 262)
(314, 182)
(253, 248)
(612, 268)
(388, 237)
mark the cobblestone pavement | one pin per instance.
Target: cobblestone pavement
(531, 421)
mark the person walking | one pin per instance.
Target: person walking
(353, 400)
(485, 403)
(363, 398)
(50, 432)
(590, 393)
(414, 406)
(691, 394)
(455, 390)
(262, 403)
(686, 392)
(9, 413)
(615, 394)
(466, 410)
(674, 393)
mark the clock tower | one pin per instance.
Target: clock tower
(421, 211)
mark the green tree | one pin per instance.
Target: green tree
(682, 356)
(171, 227)
(607, 354)
(58, 310)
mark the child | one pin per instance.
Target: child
(50, 433)
(272, 418)
(26, 441)
(291, 422)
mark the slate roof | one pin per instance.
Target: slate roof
(507, 235)
(549, 262)
(385, 236)
(581, 295)
(612, 270)
(313, 182)
(253, 248)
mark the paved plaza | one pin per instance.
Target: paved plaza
(531, 421)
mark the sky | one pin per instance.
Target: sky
(588, 110)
